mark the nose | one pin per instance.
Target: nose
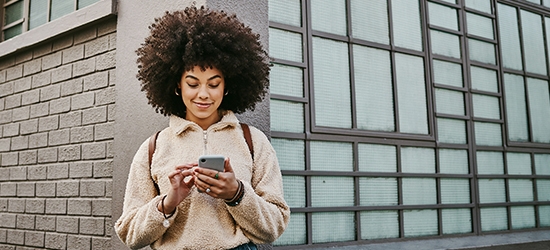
(203, 92)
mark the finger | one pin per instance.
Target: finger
(186, 166)
(227, 166)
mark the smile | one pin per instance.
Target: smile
(203, 105)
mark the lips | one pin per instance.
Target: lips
(203, 105)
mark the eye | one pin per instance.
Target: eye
(192, 85)
(214, 85)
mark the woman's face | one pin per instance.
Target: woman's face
(202, 93)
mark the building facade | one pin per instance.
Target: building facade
(424, 122)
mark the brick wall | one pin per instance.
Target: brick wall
(56, 134)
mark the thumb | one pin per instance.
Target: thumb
(227, 166)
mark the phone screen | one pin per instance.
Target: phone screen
(215, 162)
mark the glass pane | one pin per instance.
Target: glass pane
(417, 160)
(406, 24)
(456, 221)
(518, 163)
(520, 190)
(494, 218)
(542, 164)
(369, 20)
(378, 191)
(420, 222)
(445, 44)
(84, 3)
(13, 12)
(287, 116)
(480, 25)
(455, 191)
(486, 106)
(333, 226)
(481, 5)
(516, 108)
(60, 8)
(544, 216)
(533, 42)
(534, 1)
(419, 191)
(13, 31)
(449, 102)
(411, 92)
(38, 13)
(330, 191)
(523, 217)
(332, 92)
(539, 109)
(546, 3)
(451, 131)
(547, 31)
(286, 80)
(491, 191)
(443, 16)
(490, 162)
(290, 153)
(453, 161)
(285, 45)
(379, 225)
(488, 134)
(329, 16)
(484, 79)
(296, 231)
(543, 190)
(331, 156)
(509, 37)
(286, 11)
(295, 190)
(373, 89)
(377, 158)
(482, 51)
(447, 73)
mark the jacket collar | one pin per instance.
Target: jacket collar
(179, 125)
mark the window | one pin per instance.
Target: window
(398, 119)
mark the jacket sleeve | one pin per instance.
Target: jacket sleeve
(140, 223)
(263, 213)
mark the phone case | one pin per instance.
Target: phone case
(215, 162)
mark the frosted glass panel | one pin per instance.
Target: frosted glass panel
(443, 16)
(520, 190)
(484, 79)
(523, 217)
(296, 231)
(509, 37)
(370, 20)
(418, 191)
(543, 190)
(332, 91)
(518, 163)
(285, 45)
(533, 42)
(539, 108)
(455, 191)
(544, 216)
(449, 102)
(290, 153)
(329, 16)
(38, 13)
(482, 51)
(333, 226)
(417, 160)
(456, 220)
(491, 191)
(480, 25)
(330, 191)
(373, 89)
(331, 156)
(494, 218)
(13, 12)
(286, 11)
(445, 44)
(453, 161)
(378, 191)
(13, 31)
(377, 158)
(490, 162)
(286, 80)
(447, 73)
(287, 116)
(84, 3)
(488, 134)
(294, 190)
(420, 222)
(379, 225)
(407, 31)
(516, 108)
(451, 131)
(481, 5)
(542, 164)
(411, 92)
(486, 106)
(60, 8)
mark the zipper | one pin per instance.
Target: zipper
(204, 133)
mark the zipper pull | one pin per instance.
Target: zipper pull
(204, 138)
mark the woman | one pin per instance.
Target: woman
(200, 67)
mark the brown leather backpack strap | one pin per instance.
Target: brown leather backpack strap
(248, 138)
(152, 147)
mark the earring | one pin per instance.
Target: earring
(177, 91)
(226, 92)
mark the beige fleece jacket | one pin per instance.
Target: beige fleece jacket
(200, 221)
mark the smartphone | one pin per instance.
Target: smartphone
(215, 162)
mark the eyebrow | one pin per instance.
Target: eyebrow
(209, 79)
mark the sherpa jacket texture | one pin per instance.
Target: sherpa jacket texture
(200, 221)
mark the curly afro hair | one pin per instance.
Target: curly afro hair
(181, 40)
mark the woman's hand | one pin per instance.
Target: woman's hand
(222, 185)
(181, 180)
